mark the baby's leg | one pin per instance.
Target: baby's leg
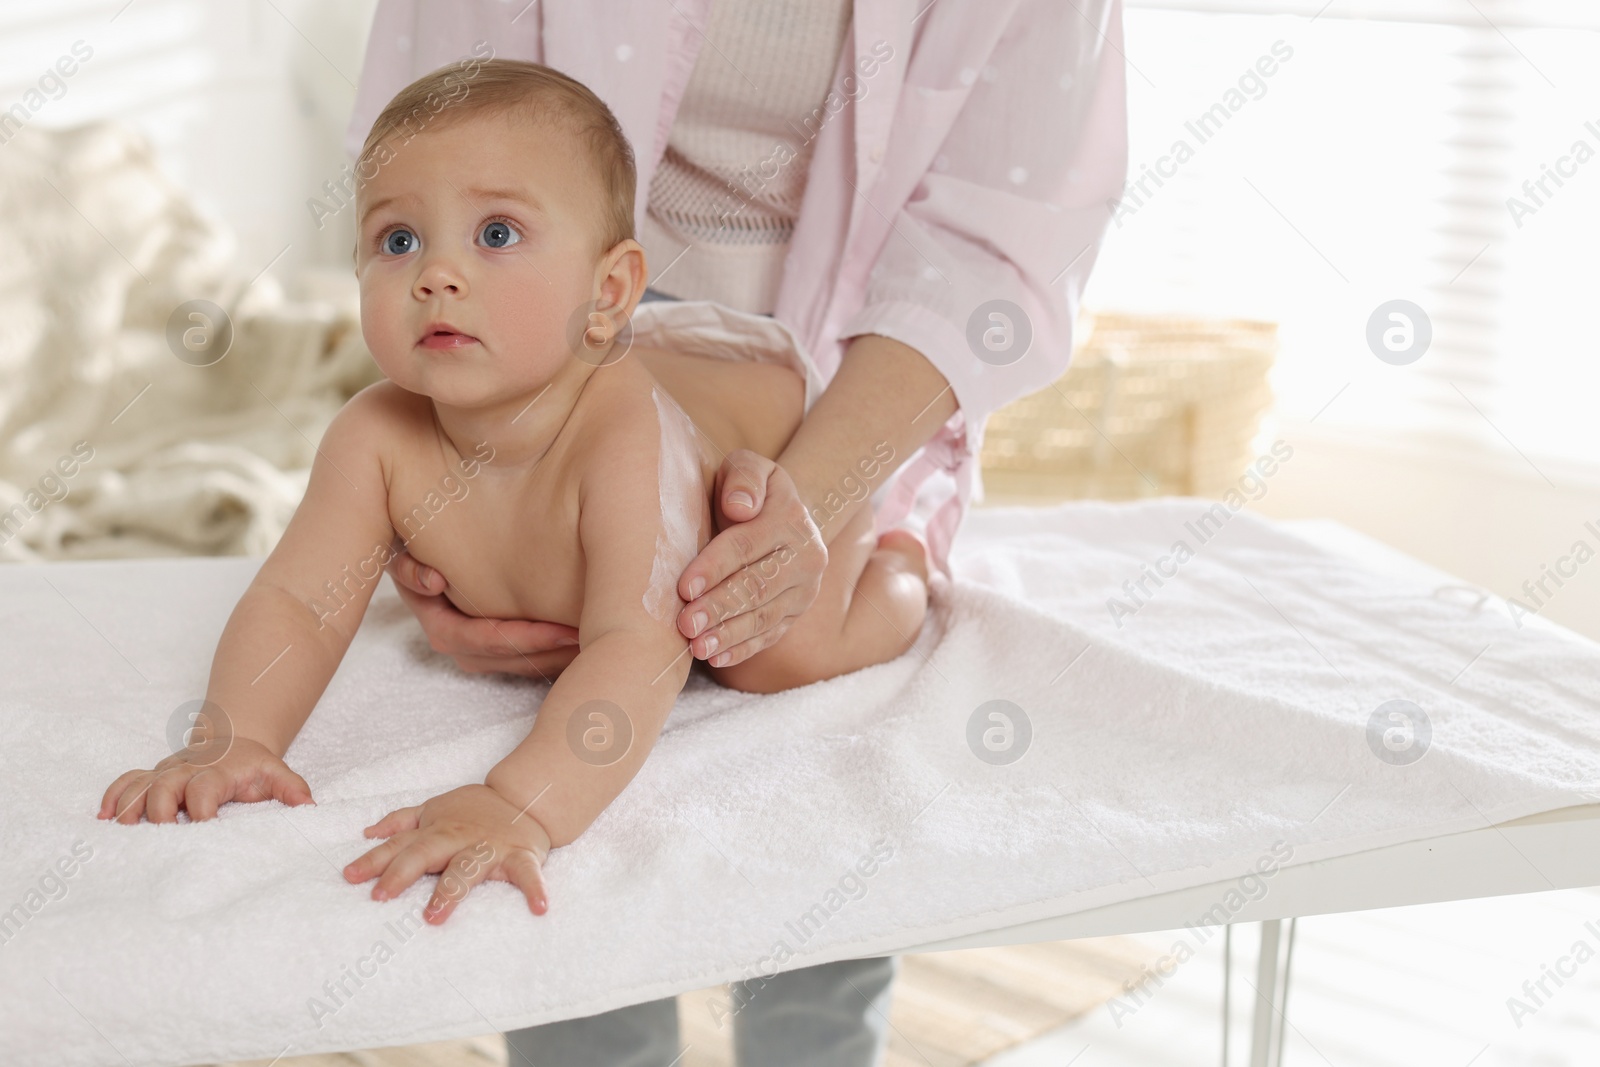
(870, 608)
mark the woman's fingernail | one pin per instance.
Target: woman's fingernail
(711, 644)
(718, 661)
(697, 585)
(698, 623)
(742, 498)
(564, 641)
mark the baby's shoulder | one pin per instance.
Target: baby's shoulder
(387, 402)
(628, 415)
(372, 425)
(384, 413)
(633, 433)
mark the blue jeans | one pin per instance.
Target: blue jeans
(830, 1015)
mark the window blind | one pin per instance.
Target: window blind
(1446, 154)
(244, 103)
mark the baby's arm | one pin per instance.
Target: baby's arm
(639, 524)
(640, 521)
(287, 634)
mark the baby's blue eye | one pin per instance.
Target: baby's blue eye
(398, 242)
(500, 235)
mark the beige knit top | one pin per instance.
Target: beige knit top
(723, 201)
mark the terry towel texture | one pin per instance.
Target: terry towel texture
(1228, 714)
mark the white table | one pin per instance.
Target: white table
(1551, 850)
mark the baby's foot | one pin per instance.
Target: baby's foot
(910, 547)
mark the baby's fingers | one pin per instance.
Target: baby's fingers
(465, 870)
(108, 803)
(424, 853)
(394, 822)
(522, 870)
(206, 792)
(375, 860)
(288, 788)
(161, 801)
(130, 805)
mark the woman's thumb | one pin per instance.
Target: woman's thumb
(417, 577)
(744, 488)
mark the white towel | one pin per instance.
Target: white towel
(1227, 714)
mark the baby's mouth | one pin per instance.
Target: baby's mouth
(446, 339)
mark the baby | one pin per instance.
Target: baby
(498, 272)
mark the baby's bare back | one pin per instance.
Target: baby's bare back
(507, 540)
(735, 403)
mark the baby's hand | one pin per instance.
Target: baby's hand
(198, 781)
(473, 831)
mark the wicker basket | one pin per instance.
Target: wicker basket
(1151, 405)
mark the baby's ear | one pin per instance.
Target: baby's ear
(623, 273)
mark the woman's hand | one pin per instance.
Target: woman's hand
(511, 646)
(466, 835)
(761, 571)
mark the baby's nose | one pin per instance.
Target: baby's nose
(439, 279)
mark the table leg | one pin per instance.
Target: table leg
(1272, 994)
(1227, 989)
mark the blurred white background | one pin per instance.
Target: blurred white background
(1376, 164)
(246, 100)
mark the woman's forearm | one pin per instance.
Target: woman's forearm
(885, 402)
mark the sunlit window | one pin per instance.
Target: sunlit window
(1310, 170)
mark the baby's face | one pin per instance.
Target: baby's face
(486, 227)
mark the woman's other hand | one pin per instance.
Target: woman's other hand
(762, 570)
(510, 646)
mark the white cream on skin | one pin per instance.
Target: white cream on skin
(683, 502)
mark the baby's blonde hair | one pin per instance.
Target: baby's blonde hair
(529, 90)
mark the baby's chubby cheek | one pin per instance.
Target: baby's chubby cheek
(531, 325)
(385, 329)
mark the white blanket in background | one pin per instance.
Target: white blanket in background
(110, 444)
(1226, 718)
